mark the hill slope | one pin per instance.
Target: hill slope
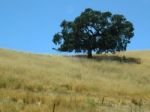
(42, 83)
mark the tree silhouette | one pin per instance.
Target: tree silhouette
(94, 31)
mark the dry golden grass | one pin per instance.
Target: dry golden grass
(35, 83)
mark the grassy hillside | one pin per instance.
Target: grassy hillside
(46, 83)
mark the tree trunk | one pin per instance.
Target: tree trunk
(89, 53)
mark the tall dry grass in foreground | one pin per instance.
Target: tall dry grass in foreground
(42, 83)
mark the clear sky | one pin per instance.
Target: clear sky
(29, 25)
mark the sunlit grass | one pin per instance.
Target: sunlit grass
(34, 83)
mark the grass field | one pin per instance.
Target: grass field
(47, 83)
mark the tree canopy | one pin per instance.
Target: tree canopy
(95, 31)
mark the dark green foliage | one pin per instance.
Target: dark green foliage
(95, 31)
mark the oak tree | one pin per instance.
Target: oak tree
(95, 31)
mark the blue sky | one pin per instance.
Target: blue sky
(29, 25)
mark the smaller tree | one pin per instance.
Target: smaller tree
(94, 31)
